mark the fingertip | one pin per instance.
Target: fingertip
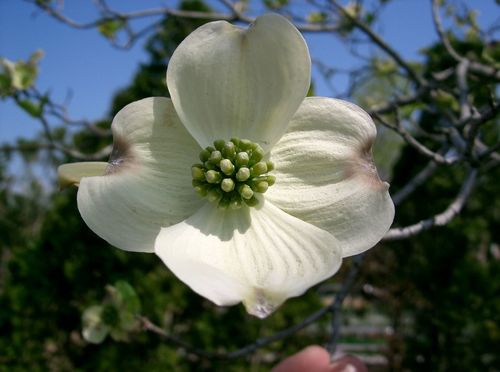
(348, 363)
(312, 358)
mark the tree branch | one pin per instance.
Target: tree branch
(440, 219)
(334, 307)
(415, 182)
(398, 128)
(377, 40)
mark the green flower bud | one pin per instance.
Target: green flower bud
(243, 174)
(232, 173)
(227, 185)
(197, 172)
(242, 159)
(214, 195)
(257, 155)
(258, 169)
(271, 179)
(245, 191)
(226, 167)
(252, 202)
(246, 145)
(219, 144)
(229, 150)
(201, 190)
(224, 203)
(261, 186)
(215, 157)
(209, 166)
(204, 155)
(213, 176)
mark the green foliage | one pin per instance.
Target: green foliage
(116, 316)
(58, 275)
(446, 280)
(275, 4)
(441, 289)
(20, 75)
(109, 27)
(317, 17)
(442, 286)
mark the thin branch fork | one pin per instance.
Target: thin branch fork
(415, 182)
(440, 219)
(111, 14)
(245, 350)
(412, 141)
(474, 66)
(334, 307)
(375, 38)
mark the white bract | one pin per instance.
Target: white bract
(238, 244)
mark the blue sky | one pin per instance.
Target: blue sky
(83, 69)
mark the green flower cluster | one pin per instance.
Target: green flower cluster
(232, 172)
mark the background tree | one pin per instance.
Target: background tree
(424, 299)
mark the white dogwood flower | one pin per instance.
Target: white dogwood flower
(286, 184)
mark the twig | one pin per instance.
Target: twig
(475, 66)
(440, 219)
(376, 39)
(398, 128)
(336, 306)
(397, 102)
(149, 326)
(442, 35)
(415, 182)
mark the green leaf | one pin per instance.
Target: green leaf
(35, 109)
(125, 295)
(18, 75)
(94, 330)
(28, 149)
(109, 27)
(275, 4)
(317, 17)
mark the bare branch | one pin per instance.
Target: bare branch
(377, 40)
(415, 182)
(99, 155)
(476, 67)
(248, 349)
(440, 219)
(109, 14)
(438, 158)
(397, 102)
(463, 88)
(442, 35)
(336, 307)
(113, 14)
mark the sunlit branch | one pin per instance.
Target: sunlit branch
(440, 219)
(442, 35)
(109, 14)
(78, 155)
(397, 102)
(377, 40)
(475, 66)
(412, 141)
(335, 307)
